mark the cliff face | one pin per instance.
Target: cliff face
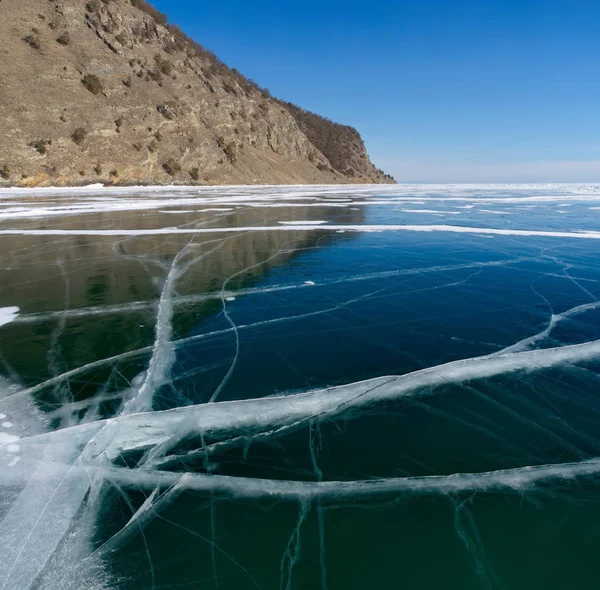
(340, 144)
(108, 92)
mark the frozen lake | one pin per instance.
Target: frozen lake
(341, 388)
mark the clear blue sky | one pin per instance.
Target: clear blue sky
(441, 90)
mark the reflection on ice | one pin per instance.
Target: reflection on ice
(292, 354)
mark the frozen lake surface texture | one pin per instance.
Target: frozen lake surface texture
(289, 388)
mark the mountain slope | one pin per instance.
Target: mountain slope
(108, 92)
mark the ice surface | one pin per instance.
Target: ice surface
(325, 349)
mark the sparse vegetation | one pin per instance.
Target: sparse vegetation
(114, 173)
(33, 40)
(92, 83)
(181, 42)
(137, 146)
(97, 169)
(119, 123)
(64, 38)
(163, 65)
(167, 110)
(229, 150)
(4, 171)
(195, 174)
(122, 39)
(155, 75)
(229, 87)
(152, 146)
(78, 136)
(40, 145)
(340, 144)
(158, 16)
(171, 167)
(93, 6)
(127, 82)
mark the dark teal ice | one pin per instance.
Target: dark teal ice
(290, 388)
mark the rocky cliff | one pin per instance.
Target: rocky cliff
(107, 91)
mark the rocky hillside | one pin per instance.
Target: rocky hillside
(107, 91)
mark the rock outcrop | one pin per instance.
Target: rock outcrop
(109, 92)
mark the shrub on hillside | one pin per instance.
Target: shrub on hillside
(64, 39)
(229, 150)
(122, 39)
(92, 83)
(155, 75)
(4, 171)
(167, 110)
(40, 145)
(163, 65)
(78, 136)
(93, 6)
(171, 167)
(33, 41)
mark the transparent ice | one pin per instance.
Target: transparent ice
(296, 356)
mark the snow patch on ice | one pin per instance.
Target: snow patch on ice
(433, 211)
(7, 438)
(320, 222)
(579, 234)
(184, 211)
(8, 314)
